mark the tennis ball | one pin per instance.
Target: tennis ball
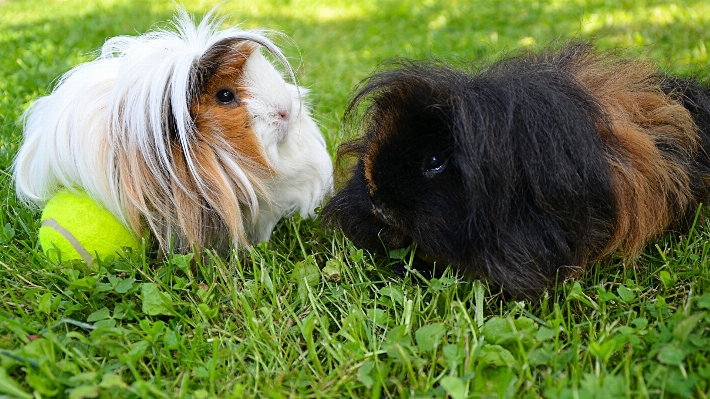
(81, 229)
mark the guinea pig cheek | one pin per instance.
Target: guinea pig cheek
(270, 102)
(229, 122)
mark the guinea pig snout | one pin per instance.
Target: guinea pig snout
(282, 118)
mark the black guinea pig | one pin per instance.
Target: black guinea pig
(525, 171)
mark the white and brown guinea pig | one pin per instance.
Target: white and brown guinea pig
(188, 131)
(527, 170)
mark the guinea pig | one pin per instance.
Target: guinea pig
(188, 132)
(525, 171)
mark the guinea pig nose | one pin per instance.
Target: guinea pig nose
(284, 114)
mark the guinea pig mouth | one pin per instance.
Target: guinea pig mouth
(383, 214)
(282, 129)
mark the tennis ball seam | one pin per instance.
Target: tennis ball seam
(94, 229)
(85, 255)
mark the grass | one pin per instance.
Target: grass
(307, 314)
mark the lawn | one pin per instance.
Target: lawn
(308, 314)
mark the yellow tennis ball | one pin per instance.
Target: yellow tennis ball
(81, 229)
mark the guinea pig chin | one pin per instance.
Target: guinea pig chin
(398, 238)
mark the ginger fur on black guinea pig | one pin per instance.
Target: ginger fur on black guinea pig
(526, 171)
(189, 132)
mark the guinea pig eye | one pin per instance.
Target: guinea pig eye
(225, 96)
(433, 165)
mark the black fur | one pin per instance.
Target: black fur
(695, 97)
(526, 193)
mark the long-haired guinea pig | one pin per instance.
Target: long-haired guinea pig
(189, 131)
(528, 170)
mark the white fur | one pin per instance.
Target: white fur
(114, 105)
(299, 160)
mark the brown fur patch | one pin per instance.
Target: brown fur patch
(229, 122)
(226, 127)
(368, 162)
(139, 189)
(650, 188)
(385, 125)
(202, 207)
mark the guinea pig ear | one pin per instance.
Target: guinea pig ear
(224, 59)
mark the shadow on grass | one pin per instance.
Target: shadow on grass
(36, 53)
